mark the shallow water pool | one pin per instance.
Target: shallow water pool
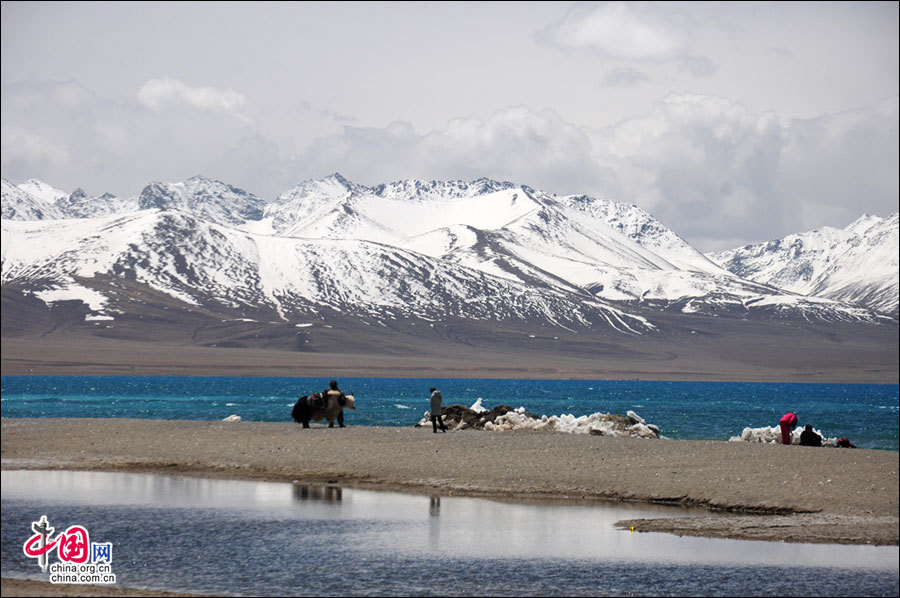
(253, 538)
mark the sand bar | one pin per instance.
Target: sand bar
(29, 587)
(794, 494)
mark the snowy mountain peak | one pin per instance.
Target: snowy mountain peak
(335, 181)
(42, 191)
(338, 178)
(77, 195)
(203, 263)
(492, 234)
(857, 264)
(433, 190)
(867, 224)
(81, 205)
(18, 204)
(332, 186)
(204, 197)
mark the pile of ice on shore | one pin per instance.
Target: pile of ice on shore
(503, 418)
(773, 436)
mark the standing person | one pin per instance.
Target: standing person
(333, 392)
(809, 437)
(788, 423)
(436, 400)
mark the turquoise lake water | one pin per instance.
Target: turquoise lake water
(867, 414)
(247, 538)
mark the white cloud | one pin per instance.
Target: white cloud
(158, 94)
(706, 166)
(28, 152)
(842, 163)
(701, 164)
(623, 77)
(782, 133)
(516, 144)
(61, 133)
(616, 29)
(714, 170)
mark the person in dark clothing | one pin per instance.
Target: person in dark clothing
(809, 438)
(334, 393)
(436, 400)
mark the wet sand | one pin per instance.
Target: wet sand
(793, 494)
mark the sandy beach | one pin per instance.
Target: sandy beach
(778, 493)
(792, 494)
(27, 587)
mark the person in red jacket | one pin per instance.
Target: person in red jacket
(788, 423)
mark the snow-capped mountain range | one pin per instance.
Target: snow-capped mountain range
(432, 251)
(857, 264)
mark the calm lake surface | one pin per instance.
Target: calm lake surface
(252, 538)
(867, 414)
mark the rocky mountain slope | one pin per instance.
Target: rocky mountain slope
(481, 278)
(857, 264)
(483, 250)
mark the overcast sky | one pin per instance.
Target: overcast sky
(730, 122)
